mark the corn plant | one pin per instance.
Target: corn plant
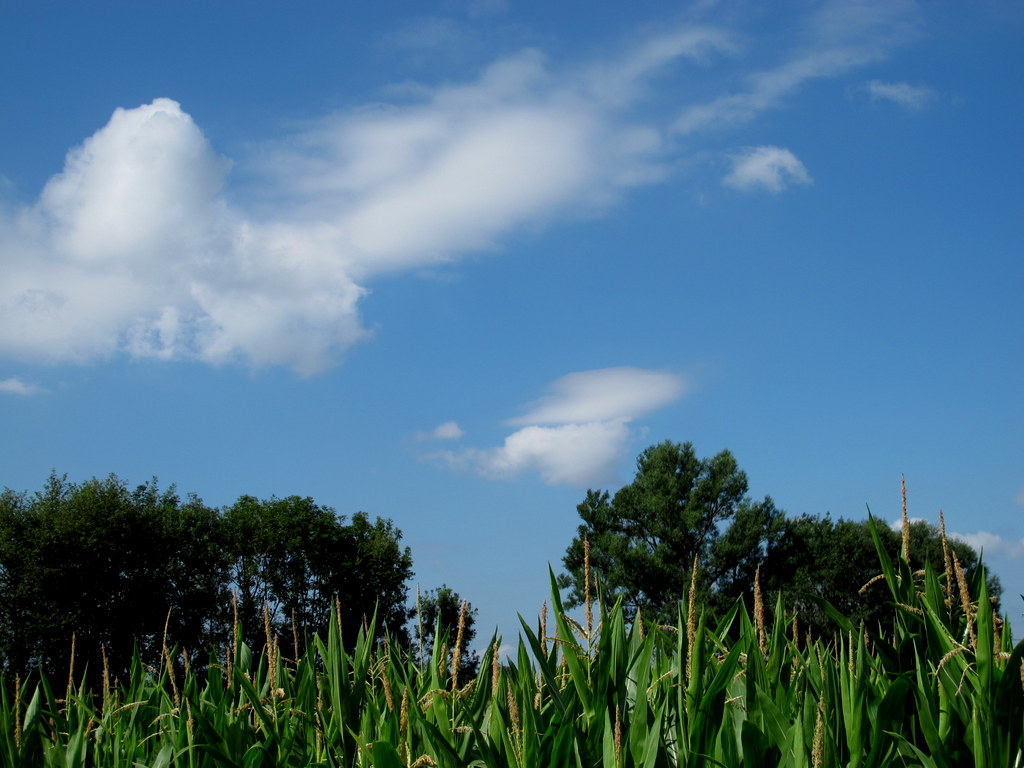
(944, 688)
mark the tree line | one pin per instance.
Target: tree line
(119, 568)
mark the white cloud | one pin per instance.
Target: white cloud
(991, 544)
(570, 454)
(1019, 498)
(406, 186)
(140, 246)
(15, 386)
(770, 168)
(897, 525)
(448, 431)
(137, 191)
(131, 249)
(576, 435)
(499, 171)
(605, 394)
(136, 249)
(905, 95)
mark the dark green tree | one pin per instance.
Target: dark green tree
(751, 540)
(111, 566)
(18, 582)
(435, 619)
(374, 577)
(644, 540)
(299, 559)
(836, 560)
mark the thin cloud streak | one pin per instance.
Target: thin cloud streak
(914, 98)
(15, 386)
(841, 36)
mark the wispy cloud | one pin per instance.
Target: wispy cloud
(449, 430)
(578, 433)
(769, 168)
(476, 8)
(905, 95)
(428, 34)
(838, 38)
(993, 544)
(141, 247)
(15, 386)
(897, 524)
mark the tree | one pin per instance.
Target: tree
(374, 577)
(435, 620)
(753, 538)
(17, 582)
(109, 565)
(836, 560)
(299, 559)
(644, 540)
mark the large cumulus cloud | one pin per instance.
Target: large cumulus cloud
(142, 246)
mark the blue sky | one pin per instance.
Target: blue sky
(455, 263)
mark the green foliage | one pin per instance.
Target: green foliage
(943, 689)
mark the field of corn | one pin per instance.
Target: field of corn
(945, 689)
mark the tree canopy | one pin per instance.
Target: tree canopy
(645, 539)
